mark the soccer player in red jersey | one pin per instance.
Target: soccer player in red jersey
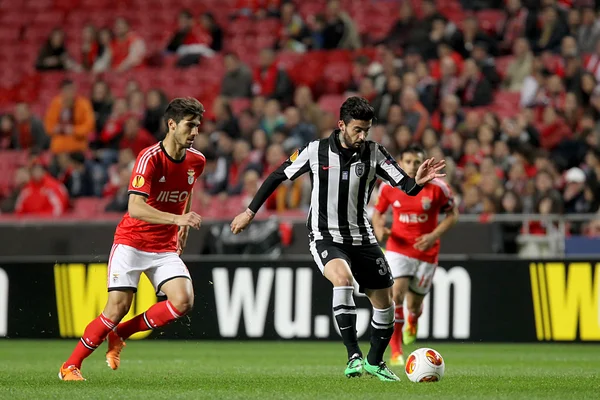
(149, 239)
(413, 243)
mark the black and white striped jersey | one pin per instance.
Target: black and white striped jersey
(342, 182)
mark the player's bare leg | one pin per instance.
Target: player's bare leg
(338, 272)
(399, 292)
(414, 305)
(117, 306)
(180, 300)
(382, 328)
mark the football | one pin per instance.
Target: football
(424, 365)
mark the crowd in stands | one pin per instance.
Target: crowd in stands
(512, 104)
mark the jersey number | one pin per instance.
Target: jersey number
(384, 269)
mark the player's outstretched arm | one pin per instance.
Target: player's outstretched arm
(139, 209)
(292, 168)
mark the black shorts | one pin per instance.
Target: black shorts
(367, 262)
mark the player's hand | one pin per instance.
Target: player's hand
(190, 219)
(383, 233)
(425, 242)
(241, 221)
(429, 170)
(182, 236)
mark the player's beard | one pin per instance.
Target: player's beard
(355, 146)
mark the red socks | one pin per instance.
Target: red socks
(158, 315)
(396, 342)
(93, 336)
(414, 318)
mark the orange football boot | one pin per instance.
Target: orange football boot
(70, 373)
(113, 355)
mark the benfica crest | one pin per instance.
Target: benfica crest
(426, 203)
(190, 176)
(359, 169)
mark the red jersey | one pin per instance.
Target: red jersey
(167, 183)
(415, 216)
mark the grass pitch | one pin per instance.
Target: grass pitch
(156, 369)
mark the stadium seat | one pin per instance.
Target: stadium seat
(331, 103)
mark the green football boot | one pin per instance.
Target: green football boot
(354, 368)
(381, 371)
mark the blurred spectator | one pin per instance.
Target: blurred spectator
(486, 63)
(120, 198)
(156, 104)
(240, 164)
(89, 50)
(449, 116)
(42, 195)
(399, 36)
(588, 33)
(212, 28)
(8, 202)
(293, 34)
(189, 42)
(103, 60)
(53, 54)
(390, 96)
(551, 32)
(448, 83)
(340, 31)
(114, 125)
(470, 35)
(592, 62)
(136, 102)
(519, 23)
(78, 177)
(237, 81)
(29, 133)
(135, 137)
(574, 199)
(510, 204)
(476, 90)
(416, 116)
(224, 119)
(309, 111)
(250, 185)
(273, 119)
(270, 80)
(248, 123)
(115, 177)
(8, 131)
(102, 103)
(520, 67)
(127, 49)
(298, 133)
(69, 120)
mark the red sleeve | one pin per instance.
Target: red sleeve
(445, 195)
(143, 172)
(383, 202)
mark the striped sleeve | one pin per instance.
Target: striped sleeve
(387, 168)
(292, 168)
(143, 171)
(297, 164)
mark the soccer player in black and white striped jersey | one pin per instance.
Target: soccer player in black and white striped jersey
(344, 169)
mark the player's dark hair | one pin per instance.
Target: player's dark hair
(182, 107)
(356, 108)
(412, 149)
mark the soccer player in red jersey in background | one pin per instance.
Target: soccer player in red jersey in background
(413, 243)
(149, 239)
